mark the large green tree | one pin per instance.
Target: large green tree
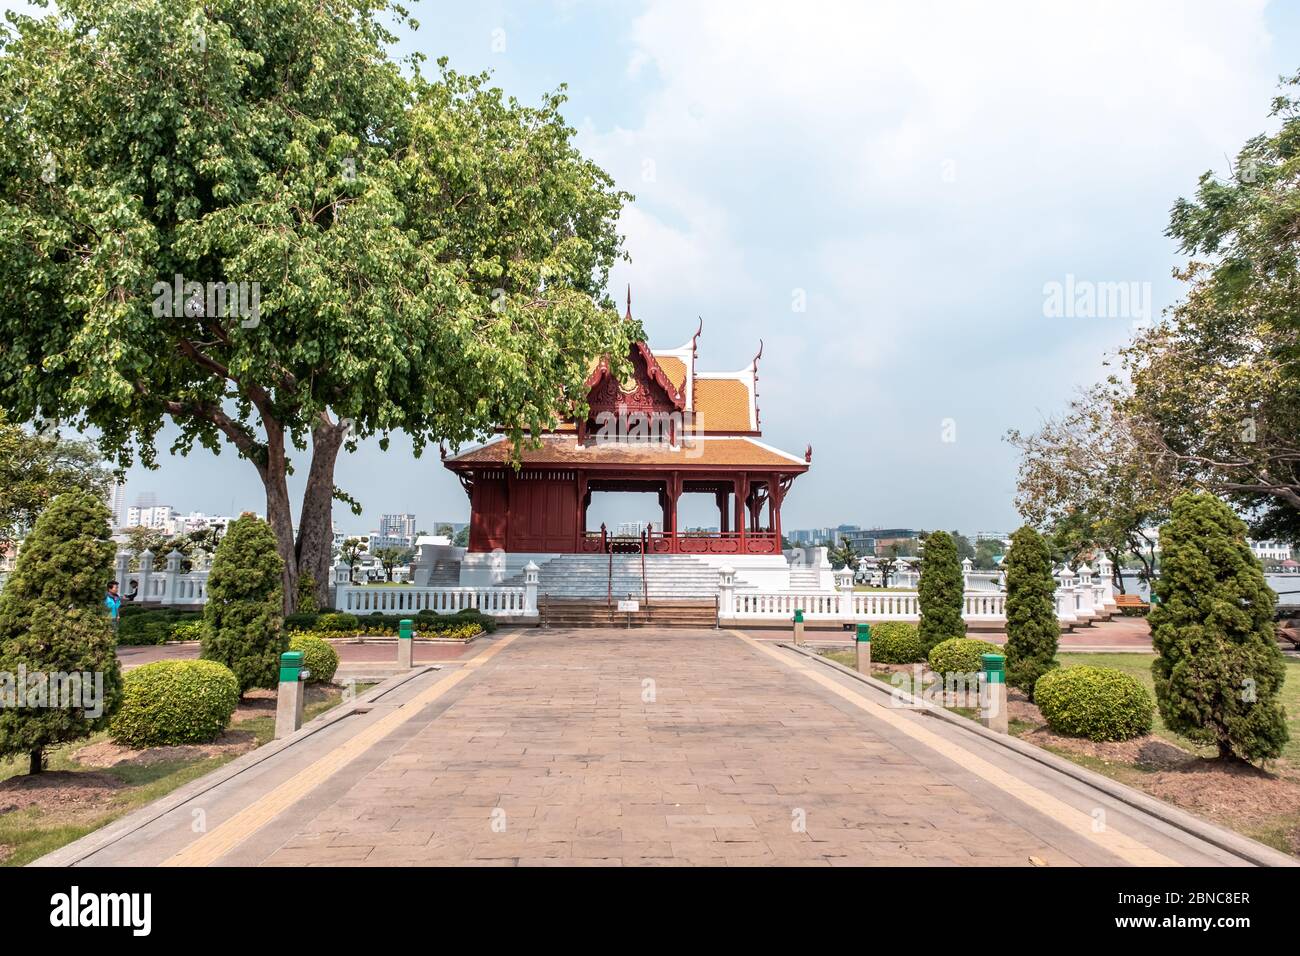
(940, 593)
(1218, 669)
(244, 625)
(421, 254)
(53, 622)
(1032, 628)
(1217, 385)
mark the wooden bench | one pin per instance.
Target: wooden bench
(1131, 604)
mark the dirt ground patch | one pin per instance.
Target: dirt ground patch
(1145, 753)
(108, 754)
(59, 790)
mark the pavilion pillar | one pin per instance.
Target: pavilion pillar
(721, 498)
(674, 494)
(741, 483)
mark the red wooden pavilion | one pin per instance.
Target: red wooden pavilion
(669, 430)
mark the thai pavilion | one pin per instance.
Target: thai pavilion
(668, 429)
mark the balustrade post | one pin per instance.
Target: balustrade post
(726, 592)
(171, 582)
(146, 575)
(532, 578)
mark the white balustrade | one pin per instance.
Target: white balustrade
(493, 601)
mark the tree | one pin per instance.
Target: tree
(391, 558)
(243, 616)
(941, 591)
(350, 552)
(1217, 386)
(1089, 476)
(461, 539)
(987, 552)
(36, 468)
(1032, 628)
(247, 219)
(844, 555)
(53, 623)
(963, 545)
(1218, 669)
(446, 531)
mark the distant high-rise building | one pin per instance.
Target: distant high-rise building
(397, 526)
(116, 501)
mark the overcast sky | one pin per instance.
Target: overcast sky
(916, 173)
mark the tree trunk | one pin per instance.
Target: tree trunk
(36, 761)
(278, 513)
(315, 526)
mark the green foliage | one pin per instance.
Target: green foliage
(53, 621)
(317, 656)
(1032, 628)
(940, 593)
(146, 625)
(187, 630)
(337, 622)
(302, 621)
(1218, 669)
(175, 702)
(35, 468)
(896, 642)
(960, 655)
(399, 228)
(307, 594)
(1100, 703)
(243, 613)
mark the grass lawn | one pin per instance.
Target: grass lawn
(92, 796)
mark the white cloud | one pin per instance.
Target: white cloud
(920, 169)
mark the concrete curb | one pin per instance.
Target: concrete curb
(105, 836)
(1250, 850)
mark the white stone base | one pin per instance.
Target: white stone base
(767, 572)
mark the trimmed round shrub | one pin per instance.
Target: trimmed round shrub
(317, 656)
(1100, 703)
(896, 642)
(175, 702)
(337, 622)
(960, 655)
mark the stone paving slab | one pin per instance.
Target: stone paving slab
(664, 748)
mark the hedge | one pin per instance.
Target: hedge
(320, 659)
(175, 702)
(143, 625)
(896, 642)
(1099, 703)
(960, 655)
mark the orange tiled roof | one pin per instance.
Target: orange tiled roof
(722, 405)
(674, 368)
(565, 450)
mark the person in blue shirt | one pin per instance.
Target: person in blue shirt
(113, 601)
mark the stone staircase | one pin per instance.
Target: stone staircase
(595, 612)
(667, 577)
(805, 579)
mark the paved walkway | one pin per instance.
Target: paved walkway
(612, 747)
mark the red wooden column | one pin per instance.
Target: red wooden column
(741, 482)
(580, 521)
(778, 496)
(674, 494)
(721, 498)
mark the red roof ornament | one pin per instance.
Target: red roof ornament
(629, 302)
(807, 455)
